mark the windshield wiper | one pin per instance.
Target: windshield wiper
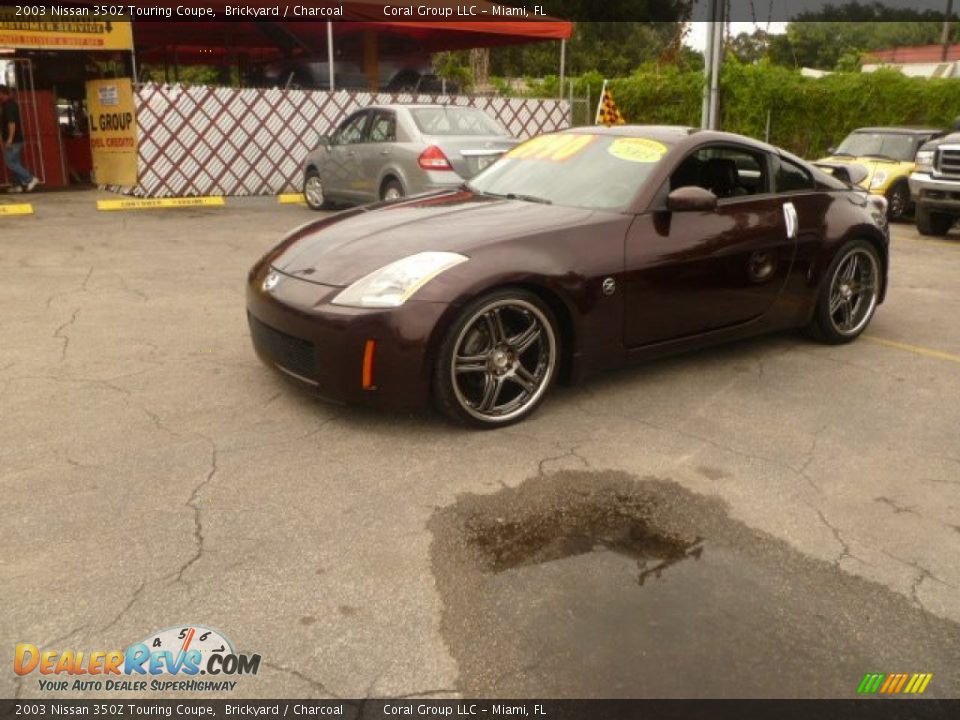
(517, 196)
(840, 153)
(881, 156)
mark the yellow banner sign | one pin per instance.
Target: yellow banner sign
(46, 32)
(113, 131)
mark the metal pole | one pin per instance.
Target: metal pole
(330, 52)
(563, 63)
(945, 37)
(766, 134)
(133, 59)
(707, 70)
(715, 66)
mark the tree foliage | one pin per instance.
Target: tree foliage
(852, 29)
(600, 43)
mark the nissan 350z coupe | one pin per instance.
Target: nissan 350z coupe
(575, 252)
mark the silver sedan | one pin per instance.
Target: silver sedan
(386, 152)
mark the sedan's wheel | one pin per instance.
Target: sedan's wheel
(497, 360)
(391, 190)
(898, 202)
(849, 296)
(313, 192)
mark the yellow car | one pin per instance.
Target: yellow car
(888, 155)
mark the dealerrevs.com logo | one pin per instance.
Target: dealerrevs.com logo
(168, 660)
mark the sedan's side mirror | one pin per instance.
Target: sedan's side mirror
(691, 199)
(324, 141)
(831, 150)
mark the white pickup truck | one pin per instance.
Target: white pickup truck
(935, 185)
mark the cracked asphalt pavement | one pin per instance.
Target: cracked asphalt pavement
(155, 473)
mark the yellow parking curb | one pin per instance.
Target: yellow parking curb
(16, 209)
(291, 199)
(150, 203)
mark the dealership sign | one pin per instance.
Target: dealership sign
(113, 131)
(42, 31)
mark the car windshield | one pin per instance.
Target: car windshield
(895, 146)
(456, 121)
(602, 172)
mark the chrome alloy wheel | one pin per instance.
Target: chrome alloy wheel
(313, 191)
(503, 360)
(392, 193)
(853, 291)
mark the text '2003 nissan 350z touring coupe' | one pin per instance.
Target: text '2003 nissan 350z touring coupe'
(577, 251)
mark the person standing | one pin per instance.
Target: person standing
(11, 137)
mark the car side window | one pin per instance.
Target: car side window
(725, 170)
(384, 127)
(351, 130)
(792, 178)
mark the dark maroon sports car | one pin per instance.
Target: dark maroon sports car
(577, 251)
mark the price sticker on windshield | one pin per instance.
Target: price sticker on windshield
(554, 148)
(638, 150)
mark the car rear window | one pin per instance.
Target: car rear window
(456, 121)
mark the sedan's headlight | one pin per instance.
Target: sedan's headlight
(878, 179)
(924, 160)
(393, 284)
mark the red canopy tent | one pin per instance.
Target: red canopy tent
(362, 21)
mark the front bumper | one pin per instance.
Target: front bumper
(296, 330)
(935, 193)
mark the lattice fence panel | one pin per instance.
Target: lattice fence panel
(198, 140)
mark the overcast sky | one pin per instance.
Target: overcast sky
(697, 37)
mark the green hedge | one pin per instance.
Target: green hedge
(807, 115)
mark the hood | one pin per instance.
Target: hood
(341, 252)
(890, 168)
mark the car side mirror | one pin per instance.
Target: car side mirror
(324, 141)
(691, 199)
(831, 150)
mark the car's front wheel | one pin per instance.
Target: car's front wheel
(849, 295)
(313, 192)
(898, 202)
(930, 222)
(497, 360)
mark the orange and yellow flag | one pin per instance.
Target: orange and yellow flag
(607, 112)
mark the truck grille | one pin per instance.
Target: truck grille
(948, 160)
(291, 353)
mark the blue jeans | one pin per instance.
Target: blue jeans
(11, 158)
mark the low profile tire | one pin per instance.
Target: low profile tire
(391, 190)
(497, 360)
(931, 222)
(849, 294)
(313, 192)
(898, 202)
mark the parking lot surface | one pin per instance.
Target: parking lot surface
(772, 518)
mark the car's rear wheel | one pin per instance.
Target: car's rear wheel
(313, 192)
(849, 296)
(391, 190)
(931, 222)
(497, 360)
(898, 202)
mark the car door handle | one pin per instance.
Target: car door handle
(384, 152)
(790, 218)
(351, 153)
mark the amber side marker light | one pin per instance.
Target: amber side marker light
(369, 350)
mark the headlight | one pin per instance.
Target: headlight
(879, 178)
(924, 160)
(393, 284)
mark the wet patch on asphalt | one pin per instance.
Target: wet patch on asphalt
(601, 584)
